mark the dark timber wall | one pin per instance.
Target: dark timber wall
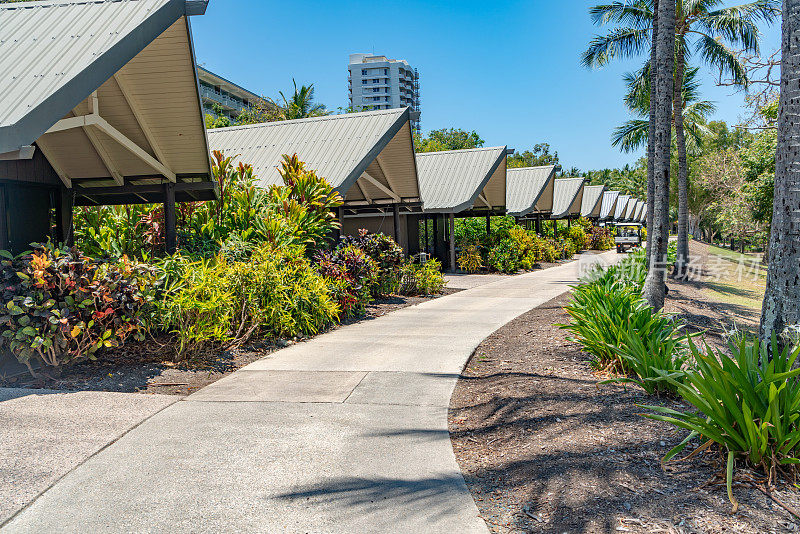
(33, 204)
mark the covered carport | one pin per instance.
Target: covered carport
(459, 183)
(529, 193)
(592, 202)
(567, 199)
(367, 157)
(101, 105)
(609, 205)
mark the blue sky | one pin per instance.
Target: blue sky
(509, 70)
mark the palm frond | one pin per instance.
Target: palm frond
(635, 13)
(716, 54)
(631, 135)
(618, 43)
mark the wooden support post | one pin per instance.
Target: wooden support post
(337, 234)
(425, 222)
(396, 221)
(64, 216)
(452, 242)
(5, 242)
(436, 240)
(569, 222)
(170, 219)
(488, 224)
(538, 224)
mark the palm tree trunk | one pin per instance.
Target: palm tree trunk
(683, 168)
(653, 291)
(651, 135)
(782, 298)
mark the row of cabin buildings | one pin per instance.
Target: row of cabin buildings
(101, 106)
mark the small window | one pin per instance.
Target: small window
(363, 82)
(363, 72)
(386, 72)
(376, 80)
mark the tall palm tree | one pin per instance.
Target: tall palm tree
(782, 298)
(300, 104)
(700, 26)
(653, 291)
(633, 134)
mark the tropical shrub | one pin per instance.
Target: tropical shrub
(549, 251)
(504, 257)
(747, 402)
(600, 311)
(116, 231)
(388, 258)
(422, 279)
(567, 249)
(62, 307)
(578, 236)
(299, 212)
(600, 239)
(277, 292)
(469, 259)
(354, 275)
(651, 349)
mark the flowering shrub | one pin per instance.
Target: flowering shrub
(61, 306)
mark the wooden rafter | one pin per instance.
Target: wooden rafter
(483, 199)
(45, 148)
(93, 119)
(380, 186)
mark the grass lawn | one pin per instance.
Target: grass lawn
(735, 278)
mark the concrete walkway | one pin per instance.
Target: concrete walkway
(344, 433)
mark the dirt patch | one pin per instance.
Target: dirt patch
(148, 367)
(544, 448)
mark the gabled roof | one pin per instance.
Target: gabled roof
(640, 210)
(634, 212)
(622, 203)
(609, 205)
(352, 151)
(567, 197)
(626, 213)
(452, 181)
(592, 199)
(136, 57)
(529, 189)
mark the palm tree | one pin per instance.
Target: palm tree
(300, 104)
(653, 291)
(782, 298)
(633, 134)
(713, 30)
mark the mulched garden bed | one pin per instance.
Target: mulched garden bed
(148, 367)
(545, 448)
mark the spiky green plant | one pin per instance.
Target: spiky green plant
(747, 402)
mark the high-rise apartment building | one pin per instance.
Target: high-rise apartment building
(377, 82)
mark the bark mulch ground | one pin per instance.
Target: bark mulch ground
(149, 368)
(545, 448)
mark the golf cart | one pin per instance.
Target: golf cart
(629, 235)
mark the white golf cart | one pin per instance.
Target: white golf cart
(629, 235)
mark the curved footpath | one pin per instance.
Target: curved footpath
(344, 433)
